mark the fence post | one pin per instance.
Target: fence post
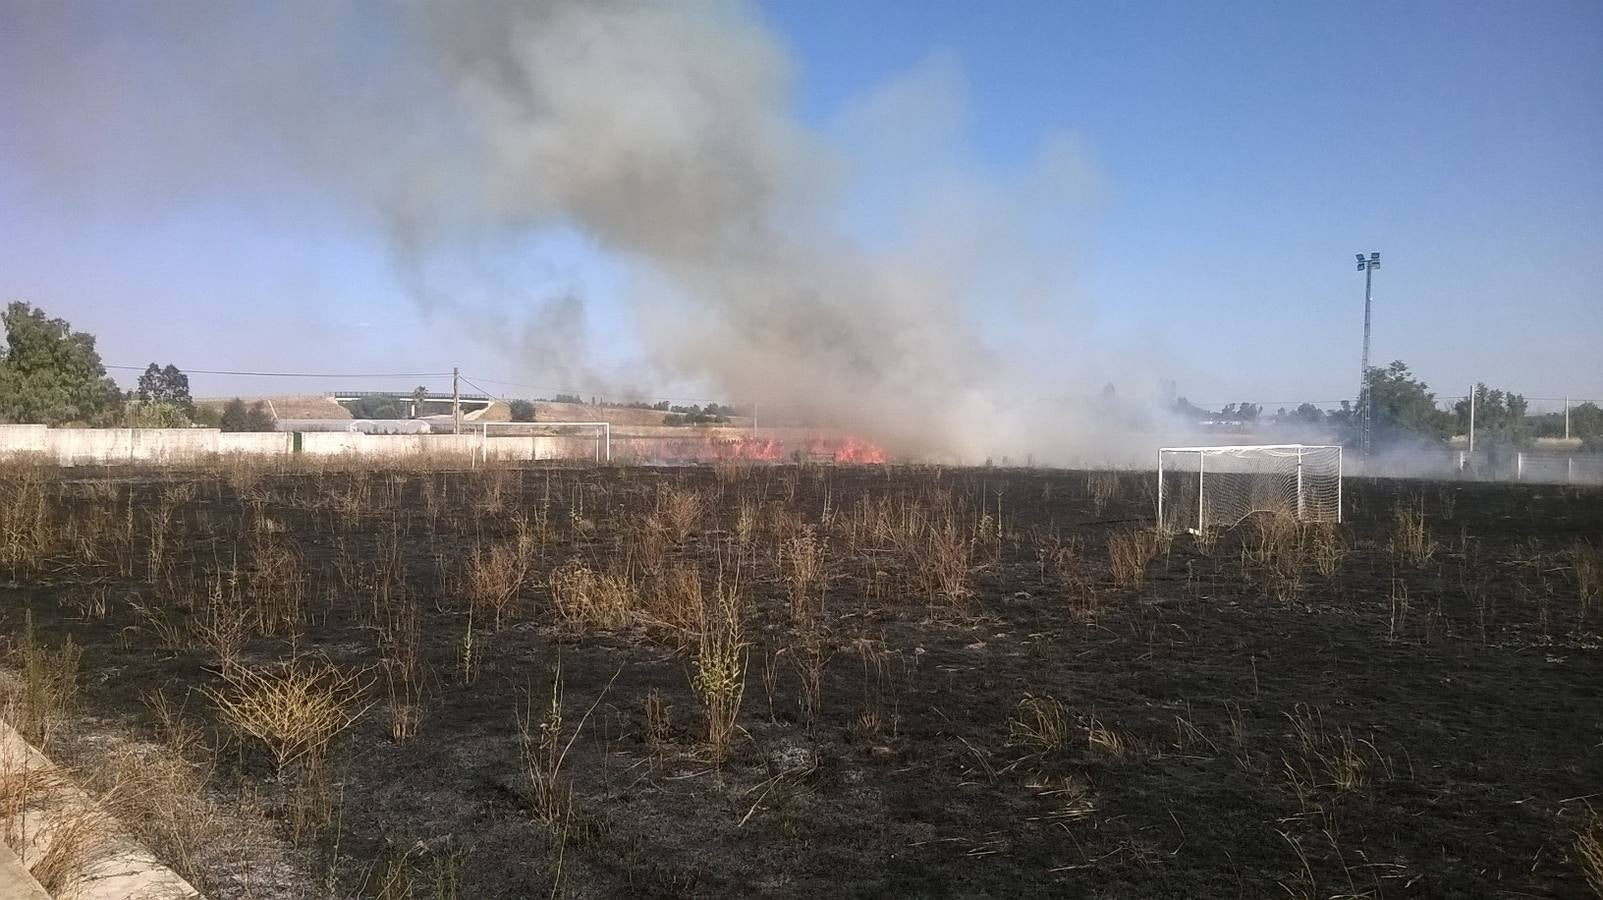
(1339, 478)
(1299, 484)
(1160, 490)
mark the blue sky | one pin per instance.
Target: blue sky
(1249, 149)
(1240, 154)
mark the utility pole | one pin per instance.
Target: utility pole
(1472, 423)
(1566, 418)
(456, 401)
(1366, 414)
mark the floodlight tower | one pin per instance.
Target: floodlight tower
(1368, 267)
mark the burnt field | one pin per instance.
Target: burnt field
(793, 680)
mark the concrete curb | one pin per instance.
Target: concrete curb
(16, 883)
(118, 869)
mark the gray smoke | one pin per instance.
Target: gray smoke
(665, 132)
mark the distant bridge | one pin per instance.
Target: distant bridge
(471, 403)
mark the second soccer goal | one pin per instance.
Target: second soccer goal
(1202, 488)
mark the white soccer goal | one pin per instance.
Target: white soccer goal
(1217, 487)
(601, 430)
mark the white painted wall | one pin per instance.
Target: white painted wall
(254, 442)
(108, 446)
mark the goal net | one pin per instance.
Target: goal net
(1201, 488)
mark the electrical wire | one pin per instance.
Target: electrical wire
(658, 397)
(297, 374)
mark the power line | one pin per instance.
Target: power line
(481, 390)
(1263, 402)
(581, 393)
(611, 396)
(297, 374)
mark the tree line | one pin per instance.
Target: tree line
(53, 375)
(1406, 412)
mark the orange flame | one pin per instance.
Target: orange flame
(856, 451)
(846, 450)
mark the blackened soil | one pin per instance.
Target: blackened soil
(1236, 725)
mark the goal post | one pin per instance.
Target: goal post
(601, 430)
(1217, 487)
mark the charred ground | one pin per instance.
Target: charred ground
(945, 682)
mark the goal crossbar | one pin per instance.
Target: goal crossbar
(603, 434)
(1301, 480)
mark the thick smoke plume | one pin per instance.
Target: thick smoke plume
(663, 132)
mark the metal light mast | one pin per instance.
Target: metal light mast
(1368, 267)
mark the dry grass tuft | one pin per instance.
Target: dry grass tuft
(161, 793)
(47, 686)
(678, 512)
(675, 602)
(277, 585)
(1586, 569)
(659, 719)
(719, 674)
(544, 744)
(223, 626)
(1103, 487)
(1411, 540)
(73, 836)
(544, 754)
(732, 471)
(295, 710)
(1109, 741)
(1328, 547)
(1074, 800)
(495, 577)
(1128, 555)
(584, 597)
(1041, 725)
(803, 564)
(1589, 853)
(1323, 758)
(947, 552)
(48, 821)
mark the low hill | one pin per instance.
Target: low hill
(297, 406)
(622, 416)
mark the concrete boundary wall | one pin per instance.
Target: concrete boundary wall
(112, 446)
(267, 443)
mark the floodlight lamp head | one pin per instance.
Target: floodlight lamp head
(1360, 257)
(1375, 256)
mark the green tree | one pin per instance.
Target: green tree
(1499, 417)
(378, 406)
(165, 385)
(1244, 413)
(1404, 409)
(1586, 423)
(522, 410)
(239, 417)
(52, 374)
(1308, 414)
(1189, 411)
(236, 417)
(259, 418)
(154, 415)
